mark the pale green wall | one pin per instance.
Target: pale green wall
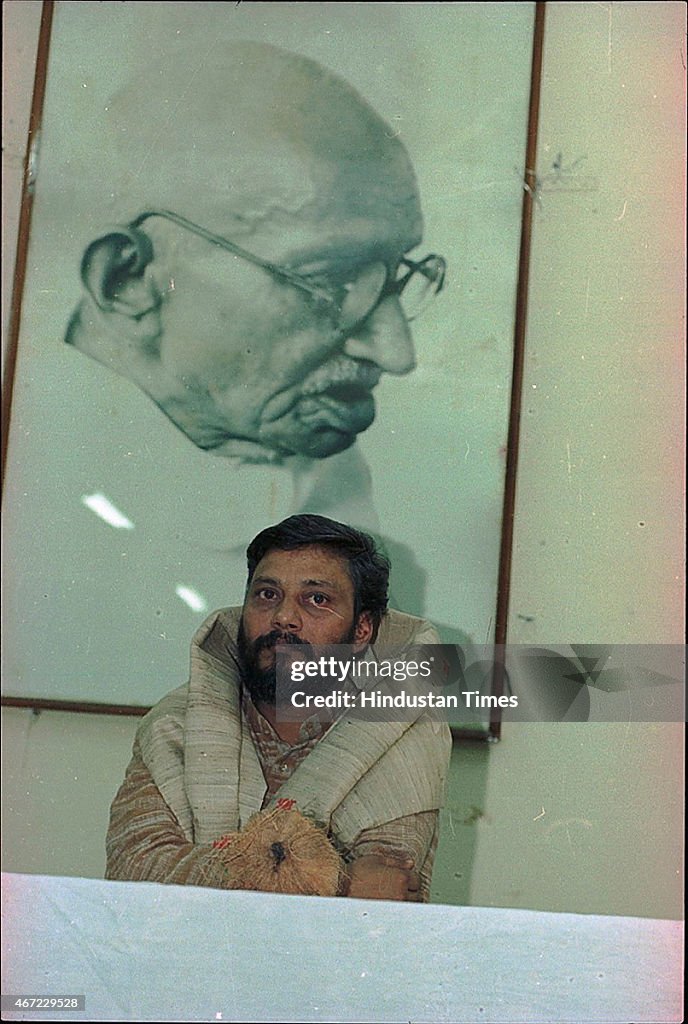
(580, 817)
(589, 817)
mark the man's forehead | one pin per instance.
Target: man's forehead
(308, 563)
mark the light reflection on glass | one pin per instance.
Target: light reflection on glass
(191, 597)
(108, 512)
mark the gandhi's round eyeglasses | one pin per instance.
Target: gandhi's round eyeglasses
(415, 284)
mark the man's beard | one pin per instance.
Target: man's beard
(261, 683)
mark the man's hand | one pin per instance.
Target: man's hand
(376, 877)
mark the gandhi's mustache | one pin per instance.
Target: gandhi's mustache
(341, 371)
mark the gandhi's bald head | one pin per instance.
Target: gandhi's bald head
(254, 131)
(274, 152)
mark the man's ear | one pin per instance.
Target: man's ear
(113, 270)
(364, 629)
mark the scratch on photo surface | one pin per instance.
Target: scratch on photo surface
(333, 611)
(587, 298)
(565, 823)
(489, 631)
(540, 815)
(626, 732)
(623, 212)
(568, 459)
(501, 183)
(610, 42)
(171, 116)
(534, 190)
(396, 130)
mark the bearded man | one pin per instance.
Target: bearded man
(216, 751)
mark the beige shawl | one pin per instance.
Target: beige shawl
(198, 749)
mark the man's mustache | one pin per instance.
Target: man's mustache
(275, 637)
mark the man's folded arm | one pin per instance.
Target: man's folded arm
(145, 842)
(394, 861)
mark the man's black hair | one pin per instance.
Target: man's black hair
(368, 567)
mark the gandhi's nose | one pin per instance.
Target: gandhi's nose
(384, 338)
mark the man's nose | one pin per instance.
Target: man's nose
(287, 617)
(383, 338)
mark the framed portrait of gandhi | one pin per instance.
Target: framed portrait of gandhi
(272, 268)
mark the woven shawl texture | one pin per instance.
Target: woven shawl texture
(361, 774)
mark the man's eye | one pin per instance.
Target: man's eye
(266, 593)
(318, 599)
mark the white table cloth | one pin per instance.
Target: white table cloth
(141, 951)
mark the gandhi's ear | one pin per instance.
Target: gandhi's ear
(113, 270)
